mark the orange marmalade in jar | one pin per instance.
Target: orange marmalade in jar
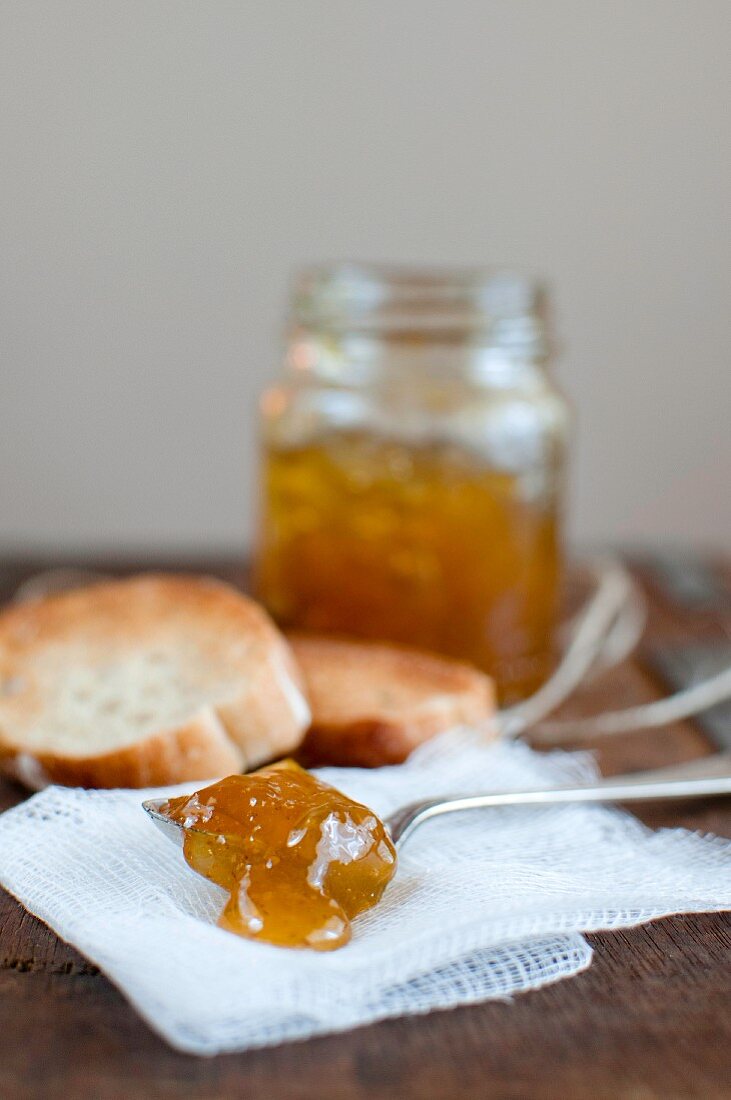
(413, 468)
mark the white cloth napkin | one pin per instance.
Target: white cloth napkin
(484, 905)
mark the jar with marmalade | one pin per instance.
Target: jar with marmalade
(413, 467)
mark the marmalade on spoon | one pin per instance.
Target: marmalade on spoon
(298, 858)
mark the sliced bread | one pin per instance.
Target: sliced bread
(373, 704)
(153, 680)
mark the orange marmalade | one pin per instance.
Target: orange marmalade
(298, 858)
(422, 545)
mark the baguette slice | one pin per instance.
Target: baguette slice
(153, 680)
(373, 704)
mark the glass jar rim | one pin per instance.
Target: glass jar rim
(504, 306)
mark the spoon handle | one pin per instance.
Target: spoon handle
(703, 778)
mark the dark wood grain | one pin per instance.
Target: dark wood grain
(650, 1019)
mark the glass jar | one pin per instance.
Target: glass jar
(413, 467)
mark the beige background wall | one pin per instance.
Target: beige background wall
(165, 164)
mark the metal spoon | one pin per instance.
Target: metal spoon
(703, 778)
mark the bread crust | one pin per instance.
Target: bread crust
(373, 704)
(201, 749)
(264, 718)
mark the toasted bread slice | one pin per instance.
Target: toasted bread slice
(373, 704)
(154, 680)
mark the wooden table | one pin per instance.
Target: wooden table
(650, 1018)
